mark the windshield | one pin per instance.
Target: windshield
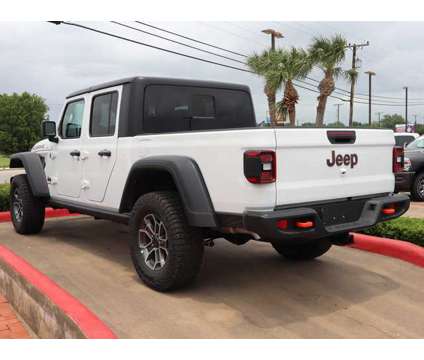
(403, 140)
(418, 143)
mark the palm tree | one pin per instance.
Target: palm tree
(264, 65)
(289, 65)
(327, 53)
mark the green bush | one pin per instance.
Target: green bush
(4, 197)
(404, 228)
(4, 161)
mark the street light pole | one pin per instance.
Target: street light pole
(354, 47)
(338, 112)
(379, 118)
(406, 108)
(370, 75)
(274, 34)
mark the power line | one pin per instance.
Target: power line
(189, 38)
(177, 42)
(201, 59)
(151, 46)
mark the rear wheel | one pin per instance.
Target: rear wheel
(27, 211)
(301, 252)
(417, 190)
(166, 252)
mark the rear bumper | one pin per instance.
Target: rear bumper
(403, 181)
(265, 223)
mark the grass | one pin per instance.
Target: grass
(403, 228)
(4, 161)
(4, 197)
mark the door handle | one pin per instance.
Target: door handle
(104, 153)
(75, 153)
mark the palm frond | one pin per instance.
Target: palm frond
(351, 75)
(327, 53)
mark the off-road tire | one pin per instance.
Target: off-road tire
(30, 218)
(184, 242)
(416, 189)
(302, 252)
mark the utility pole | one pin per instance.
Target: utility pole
(354, 47)
(415, 119)
(274, 34)
(379, 118)
(370, 75)
(406, 108)
(338, 111)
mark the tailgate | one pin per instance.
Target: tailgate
(327, 164)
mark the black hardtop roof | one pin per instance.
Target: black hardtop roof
(162, 81)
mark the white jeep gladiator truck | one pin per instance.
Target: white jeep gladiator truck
(183, 163)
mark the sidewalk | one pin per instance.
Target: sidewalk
(10, 326)
(416, 210)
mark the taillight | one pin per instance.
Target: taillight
(260, 166)
(398, 158)
(389, 210)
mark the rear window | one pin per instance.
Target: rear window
(403, 140)
(183, 108)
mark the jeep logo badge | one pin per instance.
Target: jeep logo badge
(339, 160)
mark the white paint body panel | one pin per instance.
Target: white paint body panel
(219, 155)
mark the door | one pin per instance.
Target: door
(415, 152)
(67, 163)
(100, 146)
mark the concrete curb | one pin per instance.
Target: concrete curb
(398, 249)
(50, 213)
(50, 311)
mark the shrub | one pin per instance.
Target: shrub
(4, 197)
(404, 228)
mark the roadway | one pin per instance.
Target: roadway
(242, 292)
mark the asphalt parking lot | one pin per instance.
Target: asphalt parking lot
(242, 292)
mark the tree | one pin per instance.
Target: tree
(264, 65)
(327, 53)
(289, 65)
(336, 125)
(20, 121)
(390, 121)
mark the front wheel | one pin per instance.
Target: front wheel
(166, 252)
(301, 252)
(27, 211)
(417, 190)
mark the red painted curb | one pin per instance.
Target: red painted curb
(394, 248)
(50, 213)
(90, 325)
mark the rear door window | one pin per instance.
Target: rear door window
(184, 108)
(103, 114)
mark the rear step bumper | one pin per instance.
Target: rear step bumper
(265, 223)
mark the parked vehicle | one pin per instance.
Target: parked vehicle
(405, 138)
(183, 163)
(412, 178)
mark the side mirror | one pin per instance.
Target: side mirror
(48, 130)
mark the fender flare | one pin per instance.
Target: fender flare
(34, 169)
(189, 182)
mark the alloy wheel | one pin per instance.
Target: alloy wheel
(153, 242)
(18, 206)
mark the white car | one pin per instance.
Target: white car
(183, 163)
